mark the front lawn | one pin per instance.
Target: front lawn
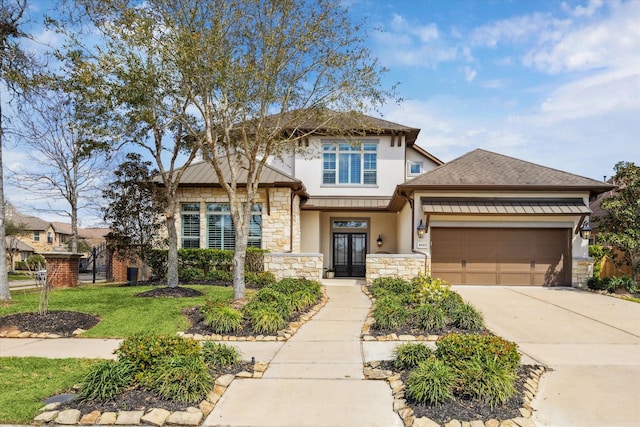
(122, 314)
(26, 381)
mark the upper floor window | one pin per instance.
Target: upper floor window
(221, 232)
(36, 236)
(190, 216)
(50, 237)
(414, 168)
(345, 163)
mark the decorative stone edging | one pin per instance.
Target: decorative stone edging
(372, 372)
(15, 333)
(154, 416)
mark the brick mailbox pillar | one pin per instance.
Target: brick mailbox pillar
(62, 269)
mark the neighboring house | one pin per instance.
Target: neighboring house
(379, 205)
(40, 236)
(16, 251)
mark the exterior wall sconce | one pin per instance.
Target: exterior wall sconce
(585, 231)
(422, 230)
(379, 241)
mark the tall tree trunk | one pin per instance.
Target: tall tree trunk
(5, 295)
(172, 258)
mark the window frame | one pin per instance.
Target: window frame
(349, 164)
(228, 242)
(412, 163)
(194, 236)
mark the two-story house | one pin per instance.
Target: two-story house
(378, 204)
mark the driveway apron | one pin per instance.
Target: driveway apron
(316, 378)
(590, 342)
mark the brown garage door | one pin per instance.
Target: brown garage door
(501, 256)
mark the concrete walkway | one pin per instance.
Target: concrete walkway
(316, 378)
(591, 342)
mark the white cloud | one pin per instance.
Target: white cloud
(612, 41)
(581, 11)
(469, 74)
(406, 43)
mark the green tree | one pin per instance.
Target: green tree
(620, 225)
(13, 232)
(259, 75)
(140, 95)
(242, 81)
(15, 68)
(134, 209)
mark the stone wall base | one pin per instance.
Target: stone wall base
(403, 266)
(282, 265)
(581, 271)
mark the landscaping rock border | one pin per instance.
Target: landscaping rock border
(372, 372)
(192, 416)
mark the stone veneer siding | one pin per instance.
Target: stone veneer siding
(284, 265)
(276, 215)
(404, 266)
(581, 270)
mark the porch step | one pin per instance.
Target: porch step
(347, 281)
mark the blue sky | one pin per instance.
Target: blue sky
(553, 82)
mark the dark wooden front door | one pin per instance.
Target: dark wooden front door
(349, 254)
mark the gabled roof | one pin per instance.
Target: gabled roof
(336, 123)
(83, 233)
(485, 170)
(17, 244)
(29, 223)
(203, 174)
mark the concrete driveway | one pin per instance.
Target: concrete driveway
(590, 342)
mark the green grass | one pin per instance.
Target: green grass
(122, 314)
(632, 299)
(26, 381)
(18, 276)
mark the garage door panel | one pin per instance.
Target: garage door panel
(502, 256)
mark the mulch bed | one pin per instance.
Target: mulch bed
(141, 399)
(178, 292)
(62, 323)
(467, 409)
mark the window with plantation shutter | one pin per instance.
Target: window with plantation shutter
(190, 216)
(347, 163)
(220, 229)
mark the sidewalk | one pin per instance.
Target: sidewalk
(316, 378)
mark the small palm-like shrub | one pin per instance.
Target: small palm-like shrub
(428, 317)
(489, 378)
(182, 378)
(266, 321)
(219, 355)
(222, 318)
(270, 298)
(431, 382)
(106, 379)
(466, 317)
(450, 302)
(390, 313)
(409, 355)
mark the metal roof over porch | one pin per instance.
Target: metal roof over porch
(347, 203)
(506, 206)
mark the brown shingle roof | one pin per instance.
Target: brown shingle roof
(336, 123)
(481, 169)
(203, 174)
(30, 223)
